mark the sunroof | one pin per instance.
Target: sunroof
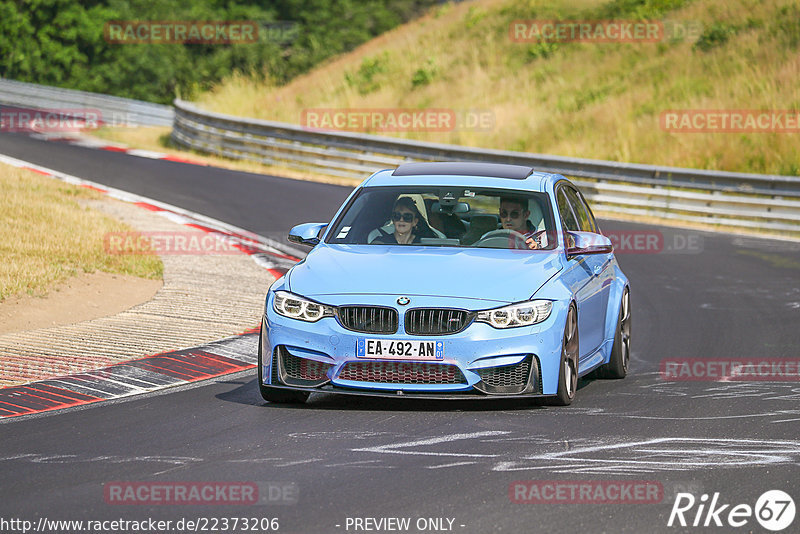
(464, 168)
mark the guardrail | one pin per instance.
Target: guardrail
(766, 202)
(113, 109)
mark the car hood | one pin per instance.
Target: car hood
(485, 274)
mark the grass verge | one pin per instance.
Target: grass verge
(49, 236)
(592, 100)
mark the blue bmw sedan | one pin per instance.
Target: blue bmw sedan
(449, 280)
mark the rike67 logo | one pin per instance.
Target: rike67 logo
(774, 510)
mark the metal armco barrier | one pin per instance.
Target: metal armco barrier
(114, 110)
(767, 202)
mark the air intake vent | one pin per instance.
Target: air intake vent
(275, 374)
(368, 319)
(294, 371)
(510, 378)
(402, 373)
(304, 369)
(436, 321)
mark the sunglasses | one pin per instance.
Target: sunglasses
(514, 214)
(405, 217)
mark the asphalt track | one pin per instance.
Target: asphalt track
(728, 297)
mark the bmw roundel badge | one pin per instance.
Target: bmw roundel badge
(402, 301)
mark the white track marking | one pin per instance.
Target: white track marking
(128, 385)
(145, 153)
(454, 464)
(299, 462)
(357, 463)
(256, 460)
(392, 448)
(666, 454)
(74, 458)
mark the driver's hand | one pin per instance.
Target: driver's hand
(532, 243)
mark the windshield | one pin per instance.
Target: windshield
(446, 217)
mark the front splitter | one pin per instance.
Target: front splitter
(388, 394)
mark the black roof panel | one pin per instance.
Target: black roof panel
(464, 168)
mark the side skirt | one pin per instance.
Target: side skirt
(595, 359)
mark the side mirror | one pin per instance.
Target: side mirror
(587, 243)
(307, 234)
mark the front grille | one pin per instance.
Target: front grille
(294, 371)
(402, 373)
(436, 321)
(368, 319)
(510, 378)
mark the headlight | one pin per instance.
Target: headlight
(522, 314)
(297, 307)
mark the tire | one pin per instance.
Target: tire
(275, 395)
(617, 366)
(568, 368)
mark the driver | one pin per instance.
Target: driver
(514, 216)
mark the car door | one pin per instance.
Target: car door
(607, 265)
(584, 273)
(600, 265)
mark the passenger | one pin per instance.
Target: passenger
(514, 216)
(409, 225)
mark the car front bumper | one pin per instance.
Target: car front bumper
(479, 362)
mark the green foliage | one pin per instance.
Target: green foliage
(715, 35)
(62, 42)
(443, 10)
(541, 50)
(474, 16)
(582, 98)
(639, 9)
(790, 168)
(365, 78)
(787, 26)
(425, 74)
(332, 27)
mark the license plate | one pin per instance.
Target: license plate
(391, 349)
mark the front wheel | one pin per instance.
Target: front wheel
(568, 371)
(279, 396)
(617, 366)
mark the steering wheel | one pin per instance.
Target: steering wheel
(520, 241)
(501, 239)
(535, 236)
